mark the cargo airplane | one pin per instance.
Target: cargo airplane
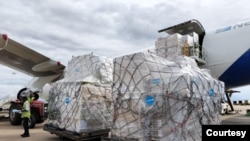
(227, 52)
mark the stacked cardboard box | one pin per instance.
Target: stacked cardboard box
(82, 100)
(169, 46)
(159, 99)
(174, 45)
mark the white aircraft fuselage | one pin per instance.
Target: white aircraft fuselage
(228, 54)
(227, 50)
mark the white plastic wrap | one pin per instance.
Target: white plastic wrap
(79, 107)
(81, 101)
(89, 68)
(163, 100)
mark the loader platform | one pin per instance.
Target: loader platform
(95, 135)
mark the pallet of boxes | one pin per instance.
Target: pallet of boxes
(176, 44)
(80, 104)
(162, 98)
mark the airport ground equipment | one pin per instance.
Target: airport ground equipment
(39, 110)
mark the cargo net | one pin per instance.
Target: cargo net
(79, 107)
(163, 100)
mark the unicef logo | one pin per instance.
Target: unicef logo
(67, 100)
(211, 92)
(150, 100)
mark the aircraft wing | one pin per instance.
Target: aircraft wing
(26, 60)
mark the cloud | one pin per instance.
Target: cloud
(62, 29)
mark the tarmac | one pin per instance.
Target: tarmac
(239, 117)
(237, 120)
(9, 132)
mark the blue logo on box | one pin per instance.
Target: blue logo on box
(156, 81)
(67, 100)
(150, 100)
(211, 92)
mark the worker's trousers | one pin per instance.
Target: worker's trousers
(26, 126)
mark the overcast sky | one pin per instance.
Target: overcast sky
(61, 29)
